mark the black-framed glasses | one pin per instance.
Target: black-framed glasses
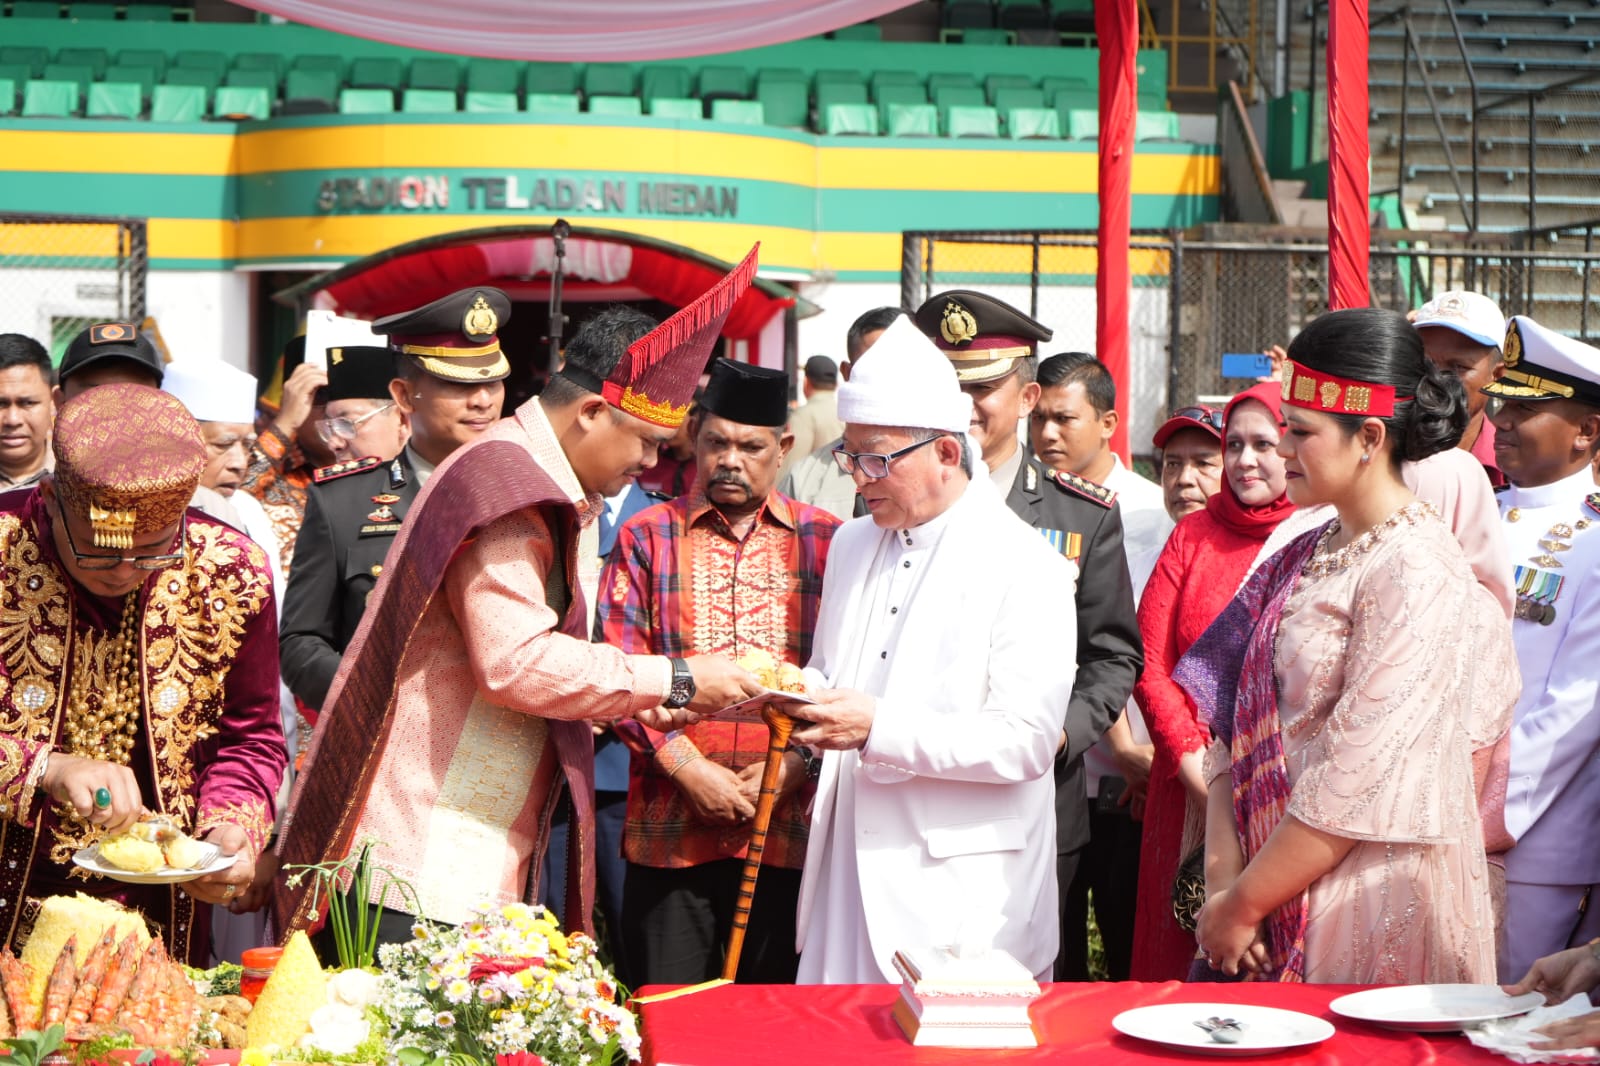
(138, 562)
(1200, 413)
(332, 429)
(873, 465)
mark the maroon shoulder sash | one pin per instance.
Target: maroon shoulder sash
(492, 479)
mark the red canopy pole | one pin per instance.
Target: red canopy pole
(1116, 23)
(1349, 208)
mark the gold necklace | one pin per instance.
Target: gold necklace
(106, 730)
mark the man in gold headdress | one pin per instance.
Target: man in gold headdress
(465, 697)
(138, 665)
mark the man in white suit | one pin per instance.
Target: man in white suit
(943, 663)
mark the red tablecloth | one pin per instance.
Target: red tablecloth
(843, 1025)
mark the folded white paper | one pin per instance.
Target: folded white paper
(1512, 1037)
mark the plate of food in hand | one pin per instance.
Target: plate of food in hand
(153, 852)
(784, 684)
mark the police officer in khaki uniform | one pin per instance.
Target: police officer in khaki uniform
(993, 348)
(445, 372)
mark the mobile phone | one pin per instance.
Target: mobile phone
(1246, 365)
(1111, 790)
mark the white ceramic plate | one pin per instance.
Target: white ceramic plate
(1433, 1008)
(1263, 1029)
(89, 859)
(750, 710)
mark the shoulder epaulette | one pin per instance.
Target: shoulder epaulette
(1081, 486)
(322, 475)
(1592, 501)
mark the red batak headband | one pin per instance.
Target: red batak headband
(1319, 391)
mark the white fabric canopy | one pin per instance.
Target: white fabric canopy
(580, 30)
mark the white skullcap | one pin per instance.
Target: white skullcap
(212, 390)
(903, 380)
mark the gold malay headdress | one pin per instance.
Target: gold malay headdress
(128, 458)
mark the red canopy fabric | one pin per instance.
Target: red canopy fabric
(1349, 181)
(1116, 22)
(609, 30)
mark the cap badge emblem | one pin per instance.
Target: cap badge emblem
(336, 356)
(109, 332)
(112, 529)
(480, 319)
(957, 326)
(1513, 345)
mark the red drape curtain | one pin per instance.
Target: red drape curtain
(1349, 209)
(1117, 24)
(579, 30)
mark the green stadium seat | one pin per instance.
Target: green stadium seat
(950, 81)
(883, 78)
(1053, 85)
(899, 94)
(839, 77)
(143, 77)
(1023, 15)
(371, 72)
(43, 98)
(1029, 122)
(69, 72)
(959, 96)
(995, 82)
(678, 107)
(963, 14)
(150, 58)
(785, 103)
(35, 9)
(485, 102)
(428, 101)
(178, 103)
(260, 61)
(143, 12)
(553, 104)
(971, 122)
(115, 99)
(311, 92)
(34, 59)
(495, 76)
(325, 63)
(252, 79)
(1083, 125)
(438, 74)
(559, 79)
(1064, 100)
(193, 76)
(615, 105)
(911, 120)
(1072, 16)
(850, 120)
(366, 101)
(840, 93)
(861, 31)
(608, 79)
(782, 75)
(196, 60)
(1007, 99)
(673, 82)
(8, 96)
(986, 36)
(1155, 126)
(239, 102)
(92, 12)
(16, 75)
(717, 83)
(739, 112)
(95, 59)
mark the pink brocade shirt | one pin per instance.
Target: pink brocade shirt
(459, 791)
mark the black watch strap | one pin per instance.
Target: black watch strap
(683, 687)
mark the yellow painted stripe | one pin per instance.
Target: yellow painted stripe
(95, 152)
(58, 239)
(540, 146)
(193, 238)
(1001, 171)
(881, 251)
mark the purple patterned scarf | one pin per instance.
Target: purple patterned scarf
(1230, 675)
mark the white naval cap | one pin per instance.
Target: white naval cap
(1542, 364)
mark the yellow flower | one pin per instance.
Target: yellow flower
(558, 943)
(254, 1056)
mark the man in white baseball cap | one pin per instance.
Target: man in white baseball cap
(1462, 333)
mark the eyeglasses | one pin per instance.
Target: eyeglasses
(874, 465)
(332, 429)
(1209, 415)
(138, 562)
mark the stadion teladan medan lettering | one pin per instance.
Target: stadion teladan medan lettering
(512, 192)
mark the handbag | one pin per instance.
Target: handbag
(1189, 889)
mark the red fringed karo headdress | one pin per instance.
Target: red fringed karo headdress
(1318, 390)
(655, 380)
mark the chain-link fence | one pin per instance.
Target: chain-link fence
(65, 272)
(1230, 288)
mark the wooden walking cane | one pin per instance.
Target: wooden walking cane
(780, 725)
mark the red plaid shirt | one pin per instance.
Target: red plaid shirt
(678, 583)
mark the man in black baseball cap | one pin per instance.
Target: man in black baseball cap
(108, 353)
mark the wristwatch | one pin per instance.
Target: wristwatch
(683, 688)
(808, 758)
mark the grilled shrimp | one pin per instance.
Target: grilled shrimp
(63, 980)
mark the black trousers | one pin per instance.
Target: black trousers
(676, 923)
(1109, 868)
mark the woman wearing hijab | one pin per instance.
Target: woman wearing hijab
(1348, 686)
(1198, 572)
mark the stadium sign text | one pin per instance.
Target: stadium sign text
(517, 192)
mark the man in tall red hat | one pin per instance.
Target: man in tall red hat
(465, 697)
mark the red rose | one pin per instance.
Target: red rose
(489, 965)
(518, 1058)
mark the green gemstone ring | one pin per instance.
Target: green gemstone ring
(102, 799)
